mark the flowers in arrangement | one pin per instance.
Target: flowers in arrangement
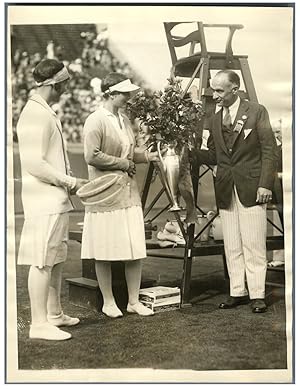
(170, 116)
(173, 117)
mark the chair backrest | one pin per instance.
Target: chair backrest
(175, 41)
(197, 37)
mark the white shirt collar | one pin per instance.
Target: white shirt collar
(112, 116)
(38, 98)
(106, 111)
(232, 109)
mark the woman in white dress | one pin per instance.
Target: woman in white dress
(114, 229)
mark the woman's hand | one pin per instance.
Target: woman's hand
(79, 183)
(131, 169)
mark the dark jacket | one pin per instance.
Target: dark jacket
(250, 163)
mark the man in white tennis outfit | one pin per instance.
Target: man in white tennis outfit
(46, 187)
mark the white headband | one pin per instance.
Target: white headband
(124, 86)
(62, 75)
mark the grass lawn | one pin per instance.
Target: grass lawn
(202, 337)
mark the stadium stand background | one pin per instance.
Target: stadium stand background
(85, 49)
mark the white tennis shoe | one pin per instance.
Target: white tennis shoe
(48, 331)
(62, 320)
(140, 309)
(176, 238)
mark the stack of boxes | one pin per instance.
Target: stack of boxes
(160, 298)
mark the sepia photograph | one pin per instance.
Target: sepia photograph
(149, 193)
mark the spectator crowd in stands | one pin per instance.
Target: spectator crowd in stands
(83, 95)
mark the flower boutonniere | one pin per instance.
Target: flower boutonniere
(240, 124)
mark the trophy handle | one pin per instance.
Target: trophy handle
(163, 168)
(159, 154)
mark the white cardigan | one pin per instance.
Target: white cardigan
(45, 166)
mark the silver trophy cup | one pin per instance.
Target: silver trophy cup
(169, 167)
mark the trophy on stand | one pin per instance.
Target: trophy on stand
(169, 168)
(173, 118)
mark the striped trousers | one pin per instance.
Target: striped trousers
(245, 232)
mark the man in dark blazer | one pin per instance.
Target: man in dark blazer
(242, 145)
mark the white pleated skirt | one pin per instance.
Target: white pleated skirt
(44, 240)
(114, 236)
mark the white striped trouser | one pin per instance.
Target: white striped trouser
(245, 232)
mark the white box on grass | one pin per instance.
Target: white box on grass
(160, 298)
(158, 293)
(166, 305)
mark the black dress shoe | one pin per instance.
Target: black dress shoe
(258, 306)
(232, 302)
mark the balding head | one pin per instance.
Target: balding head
(230, 76)
(225, 85)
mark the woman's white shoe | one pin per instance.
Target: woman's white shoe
(62, 320)
(48, 331)
(140, 309)
(112, 311)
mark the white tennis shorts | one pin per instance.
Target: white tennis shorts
(44, 240)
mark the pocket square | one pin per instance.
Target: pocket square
(247, 132)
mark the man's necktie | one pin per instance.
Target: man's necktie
(227, 118)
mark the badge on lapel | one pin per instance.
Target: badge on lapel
(240, 124)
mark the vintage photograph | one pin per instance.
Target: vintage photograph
(149, 193)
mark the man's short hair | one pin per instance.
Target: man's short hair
(233, 77)
(46, 69)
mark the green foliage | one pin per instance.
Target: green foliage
(169, 115)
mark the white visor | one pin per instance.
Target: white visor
(124, 86)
